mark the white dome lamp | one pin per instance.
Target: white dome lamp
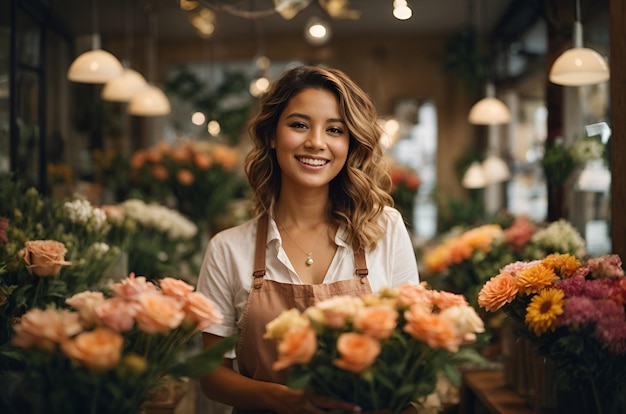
(579, 65)
(474, 176)
(95, 66)
(495, 169)
(489, 110)
(124, 87)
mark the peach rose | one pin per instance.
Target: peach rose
(498, 291)
(45, 328)
(185, 177)
(86, 304)
(339, 309)
(297, 347)
(202, 310)
(158, 313)
(225, 156)
(97, 349)
(202, 161)
(431, 328)
(175, 288)
(138, 159)
(132, 287)
(358, 352)
(444, 300)
(159, 172)
(44, 258)
(409, 293)
(180, 154)
(117, 314)
(378, 321)
(114, 213)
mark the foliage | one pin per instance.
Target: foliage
(49, 250)
(196, 178)
(379, 351)
(111, 347)
(560, 160)
(405, 184)
(464, 60)
(573, 312)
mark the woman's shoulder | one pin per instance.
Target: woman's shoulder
(237, 234)
(390, 217)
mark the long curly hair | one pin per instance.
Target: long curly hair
(360, 191)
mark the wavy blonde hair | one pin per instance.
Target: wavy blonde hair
(360, 191)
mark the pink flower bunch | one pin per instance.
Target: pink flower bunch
(110, 347)
(356, 343)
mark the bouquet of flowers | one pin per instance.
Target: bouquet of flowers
(380, 351)
(573, 313)
(405, 184)
(109, 348)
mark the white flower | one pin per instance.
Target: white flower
(465, 320)
(560, 237)
(158, 217)
(81, 211)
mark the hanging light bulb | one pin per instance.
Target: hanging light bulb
(474, 176)
(579, 65)
(489, 110)
(124, 87)
(317, 31)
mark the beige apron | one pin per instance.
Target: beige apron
(267, 299)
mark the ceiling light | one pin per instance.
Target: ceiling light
(474, 176)
(198, 118)
(317, 31)
(259, 85)
(595, 177)
(579, 65)
(489, 110)
(289, 8)
(401, 10)
(149, 102)
(203, 22)
(188, 5)
(495, 169)
(214, 128)
(124, 87)
(94, 66)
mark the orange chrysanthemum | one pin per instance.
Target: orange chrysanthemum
(564, 265)
(535, 278)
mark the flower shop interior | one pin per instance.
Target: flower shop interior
(130, 169)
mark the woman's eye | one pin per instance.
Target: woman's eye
(298, 125)
(335, 130)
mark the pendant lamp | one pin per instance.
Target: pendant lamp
(495, 169)
(95, 66)
(474, 176)
(124, 87)
(489, 110)
(579, 65)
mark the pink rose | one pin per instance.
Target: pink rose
(297, 347)
(202, 310)
(378, 321)
(97, 349)
(45, 328)
(358, 352)
(44, 258)
(158, 313)
(175, 288)
(133, 286)
(117, 314)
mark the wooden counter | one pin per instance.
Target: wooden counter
(485, 392)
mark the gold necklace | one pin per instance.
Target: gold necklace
(309, 255)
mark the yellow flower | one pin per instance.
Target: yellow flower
(535, 278)
(544, 309)
(563, 265)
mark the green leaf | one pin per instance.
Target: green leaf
(206, 361)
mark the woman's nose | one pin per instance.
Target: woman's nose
(316, 139)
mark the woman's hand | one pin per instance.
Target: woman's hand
(306, 402)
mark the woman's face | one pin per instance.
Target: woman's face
(312, 140)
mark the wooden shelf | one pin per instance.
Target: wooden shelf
(485, 392)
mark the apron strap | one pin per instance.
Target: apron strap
(260, 251)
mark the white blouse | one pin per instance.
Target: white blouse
(226, 272)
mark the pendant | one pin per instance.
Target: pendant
(309, 259)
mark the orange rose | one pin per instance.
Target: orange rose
(445, 300)
(202, 161)
(97, 349)
(45, 328)
(378, 321)
(297, 347)
(44, 258)
(158, 313)
(436, 331)
(175, 288)
(498, 291)
(138, 159)
(225, 156)
(409, 293)
(201, 310)
(159, 172)
(358, 352)
(185, 177)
